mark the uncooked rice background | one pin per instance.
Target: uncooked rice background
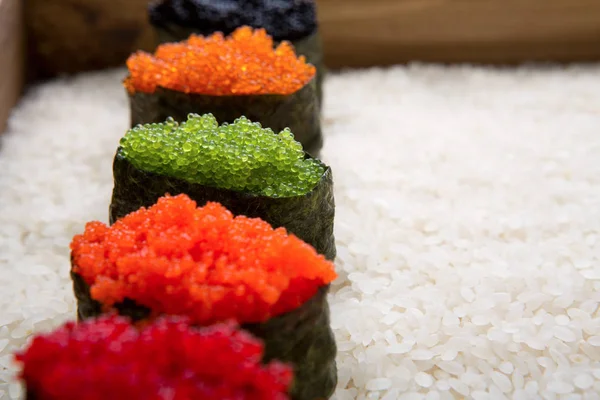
(467, 225)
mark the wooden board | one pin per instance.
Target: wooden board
(70, 36)
(360, 33)
(11, 60)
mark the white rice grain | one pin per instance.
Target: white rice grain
(423, 379)
(502, 381)
(583, 381)
(379, 384)
(594, 341)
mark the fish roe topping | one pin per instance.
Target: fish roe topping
(241, 156)
(283, 19)
(176, 259)
(109, 358)
(244, 63)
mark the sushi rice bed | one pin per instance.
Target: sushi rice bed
(467, 225)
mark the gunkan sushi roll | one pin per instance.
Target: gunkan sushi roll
(249, 169)
(229, 77)
(109, 358)
(284, 20)
(203, 263)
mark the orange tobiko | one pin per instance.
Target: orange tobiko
(245, 63)
(204, 263)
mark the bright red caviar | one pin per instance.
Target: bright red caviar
(108, 358)
(176, 259)
(241, 64)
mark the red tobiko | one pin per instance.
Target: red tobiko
(108, 358)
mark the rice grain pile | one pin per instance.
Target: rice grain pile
(467, 225)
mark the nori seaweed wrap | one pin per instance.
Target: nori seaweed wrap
(228, 77)
(248, 169)
(110, 358)
(284, 20)
(205, 264)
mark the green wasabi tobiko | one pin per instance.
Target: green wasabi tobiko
(241, 156)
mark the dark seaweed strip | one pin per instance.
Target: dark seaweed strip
(310, 217)
(297, 111)
(311, 48)
(86, 306)
(302, 337)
